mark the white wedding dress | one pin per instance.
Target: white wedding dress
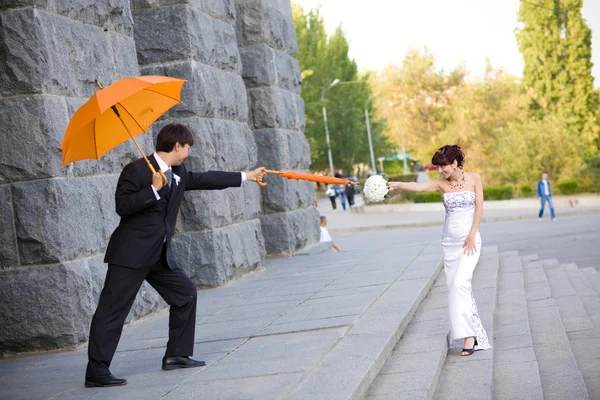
(464, 317)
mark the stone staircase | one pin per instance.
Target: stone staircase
(542, 319)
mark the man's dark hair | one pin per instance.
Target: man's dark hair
(171, 134)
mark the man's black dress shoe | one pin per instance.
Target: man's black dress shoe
(104, 381)
(169, 363)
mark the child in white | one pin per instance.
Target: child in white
(325, 236)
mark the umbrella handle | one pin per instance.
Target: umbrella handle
(261, 183)
(162, 174)
(268, 171)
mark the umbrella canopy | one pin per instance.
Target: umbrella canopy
(116, 113)
(308, 177)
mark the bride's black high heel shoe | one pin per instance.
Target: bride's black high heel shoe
(469, 351)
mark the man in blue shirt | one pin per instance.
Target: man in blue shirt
(544, 193)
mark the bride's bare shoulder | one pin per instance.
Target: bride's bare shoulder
(473, 175)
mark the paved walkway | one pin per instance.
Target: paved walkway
(305, 327)
(343, 221)
(262, 337)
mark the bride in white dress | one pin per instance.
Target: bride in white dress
(462, 194)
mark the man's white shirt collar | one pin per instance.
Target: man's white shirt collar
(161, 164)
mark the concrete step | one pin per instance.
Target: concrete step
(559, 373)
(350, 367)
(594, 278)
(413, 369)
(585, 292)
(516, 372)
(472, 377)
(583, 336)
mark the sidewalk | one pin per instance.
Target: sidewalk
(306, 327)
(433, 214)
(266, 336)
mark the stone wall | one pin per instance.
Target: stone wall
(267, 40)
(219, 235)
(55, 223)
(241, 100)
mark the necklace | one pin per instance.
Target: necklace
(460, 184)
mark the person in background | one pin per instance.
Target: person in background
(544, 193)
(341, 191)
(331, 193)
(350, 194)
(325, 236)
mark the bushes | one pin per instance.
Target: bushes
(498, 192)
(525, 190)
(433, 197)
(568, 186)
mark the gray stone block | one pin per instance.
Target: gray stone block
(50, 307)
(214, 209)
(9, 256)
(275, 108)
(266, 22)
(290, 231)
(220, 9)
(40, 55)
(211, 258)
(264, 66)
(283, 194)
(220, 145)
(282, 149)
(209, 92)
(63, 219)
(181, 32)
(35, 155)
(113, 15)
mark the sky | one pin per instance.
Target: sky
(455, 31)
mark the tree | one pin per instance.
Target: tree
(413, 99)
(556, 45)
(322, 60)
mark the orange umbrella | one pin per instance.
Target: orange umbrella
(307, 177)
(117, 113)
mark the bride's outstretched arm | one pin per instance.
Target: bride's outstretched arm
(415, 187)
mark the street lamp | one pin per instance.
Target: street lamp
(374, 169)
(325, 89)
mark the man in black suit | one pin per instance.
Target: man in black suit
(140, 249)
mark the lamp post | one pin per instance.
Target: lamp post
(374, 169)
(325, 89)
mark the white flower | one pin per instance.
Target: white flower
(375, 189)
(177, 179)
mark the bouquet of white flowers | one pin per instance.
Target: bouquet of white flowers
(376, 189)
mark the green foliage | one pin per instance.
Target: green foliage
(591, 175)
(525, 191)
(402, 178)
(556, 45)
(433, 197)
(327, 59)
(395, 167)
(498, 192)
(568, 186)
